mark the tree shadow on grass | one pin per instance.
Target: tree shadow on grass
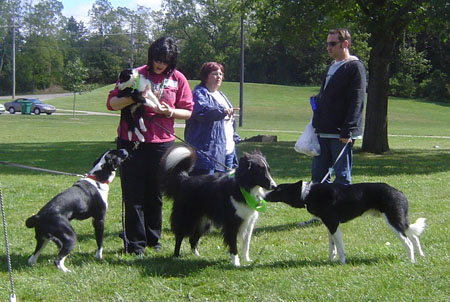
(69, 157)
(286, 163)
(171, 267)
(77, 157)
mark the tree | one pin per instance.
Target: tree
(385, 20)
(205, 30)
(75, 76)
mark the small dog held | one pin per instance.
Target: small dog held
(217, 199)
(137, 86)
(88, 197)
(337, 203)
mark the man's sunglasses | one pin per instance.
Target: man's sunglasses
(333, 44)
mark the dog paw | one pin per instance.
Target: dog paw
(99, 254)
(195, 252)
(139, 136)
(235, 260)
(142, 125)
(31, 261)
(62, 267)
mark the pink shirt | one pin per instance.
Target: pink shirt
(177, 94)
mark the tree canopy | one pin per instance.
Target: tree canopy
(404, 44)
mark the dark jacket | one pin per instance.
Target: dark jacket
(205, 130)
(340, 104)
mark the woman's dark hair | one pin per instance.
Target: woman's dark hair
(164, 50)
(207, 68)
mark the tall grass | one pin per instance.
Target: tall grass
(289, 263)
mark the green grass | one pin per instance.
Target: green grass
(289, 263)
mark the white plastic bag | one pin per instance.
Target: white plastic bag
(308, 143)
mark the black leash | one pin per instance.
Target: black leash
(150, 119)
(39, 169)
(12, 297)
(331, 169)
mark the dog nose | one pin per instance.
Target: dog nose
(273, 185)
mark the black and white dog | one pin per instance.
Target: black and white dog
(133, 84)
(88, 197)
(336, 203)
(199, 201)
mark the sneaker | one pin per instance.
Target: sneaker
(157, 247)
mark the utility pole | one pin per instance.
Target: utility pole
(13, 58)
(241, 82)
(132, 45)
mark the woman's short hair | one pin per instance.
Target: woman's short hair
(206, 69)
(164, 50)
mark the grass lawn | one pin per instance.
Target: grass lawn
(289, 263)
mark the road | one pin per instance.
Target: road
(42, 97)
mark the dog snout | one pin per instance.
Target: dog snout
(123, 153)
(273, 185)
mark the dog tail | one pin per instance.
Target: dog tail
(176, 164)
(416, 228)
(31, 222)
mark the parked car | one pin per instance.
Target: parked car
(2, 109)
(37, 107)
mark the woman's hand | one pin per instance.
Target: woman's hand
(231, 111)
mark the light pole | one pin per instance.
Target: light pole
(241, 82)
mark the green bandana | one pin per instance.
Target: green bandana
(136, 83)
(258, 205)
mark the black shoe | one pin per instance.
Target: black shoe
(313, 221)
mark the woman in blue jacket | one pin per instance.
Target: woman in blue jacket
(211, 127)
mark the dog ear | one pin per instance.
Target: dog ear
(244, 161)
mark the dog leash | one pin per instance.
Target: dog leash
(12, 297)
(39, 169)
(150, 119)
(330, 170)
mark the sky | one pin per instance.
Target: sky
(79, 8)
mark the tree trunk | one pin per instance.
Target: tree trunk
(375, 138)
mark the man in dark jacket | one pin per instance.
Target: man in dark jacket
(338, 117)
(339, 106)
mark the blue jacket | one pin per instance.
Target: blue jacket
(205, 130)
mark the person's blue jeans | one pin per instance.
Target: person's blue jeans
(229, 159)
(229, 162)
(330, 148)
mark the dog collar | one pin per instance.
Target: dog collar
(306, 186)
(258, 205)
(96, 179)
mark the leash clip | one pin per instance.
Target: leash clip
(136, 145)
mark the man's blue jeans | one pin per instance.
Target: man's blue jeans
(330, 148)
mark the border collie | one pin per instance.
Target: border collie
(205, 200)
(88, 197)
(337, 203)
(132, 84)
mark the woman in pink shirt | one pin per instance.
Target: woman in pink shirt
(139, 174)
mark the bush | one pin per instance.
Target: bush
(402, 85)
(436, 88)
